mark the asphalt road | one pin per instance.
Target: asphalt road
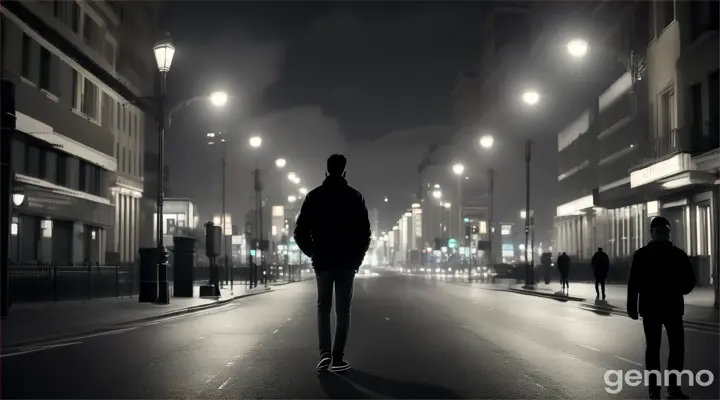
(411, 338)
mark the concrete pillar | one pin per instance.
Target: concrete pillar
(78, 253)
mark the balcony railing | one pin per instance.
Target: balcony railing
(690, 140)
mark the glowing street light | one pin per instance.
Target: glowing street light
(291, 176)
(280, 163)
(486, 141)
(303, 191)
(292, 199)
(218, 99)
(531, 98)
(296, 180)
(437, 194)
(164, 51)
(255, 141)
(447, 205)
(458, 169)
(18, 199)
(577, 47)
(386, 199)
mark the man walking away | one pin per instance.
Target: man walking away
(600, 265)
(564, 268)
(333, 229)
(660, 275)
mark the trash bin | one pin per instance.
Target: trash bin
(148, 275)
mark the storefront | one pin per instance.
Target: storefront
(55, 225)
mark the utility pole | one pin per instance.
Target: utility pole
(6, 182)
(228, 273)
(529, 281)
(491, 212)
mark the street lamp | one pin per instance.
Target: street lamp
(437, 194)
(291, 176)
(577, 47)
(303, 191)
(292, 199)
(531, 98)
(458, 169)
(218, 99)
(487, 141)
(255, 142)
(386, 199)
(18, 199)
(296, 180)
(164, 52)
(280, 163)
(447, 205)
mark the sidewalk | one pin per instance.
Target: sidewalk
(698, 304)
(49, 321)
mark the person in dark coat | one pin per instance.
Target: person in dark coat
(333, 229)
(600, 265)
(563, 262)
(660, 275)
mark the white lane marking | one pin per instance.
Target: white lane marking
(224, 383)
(115, 332)
(39, 348)
(626, 360)
(588, 347)
(276, 331)
(289, 319)
(387, 319)
(198, 338)
(230, 363)
(211, 378)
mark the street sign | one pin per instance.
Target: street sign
(452, 243)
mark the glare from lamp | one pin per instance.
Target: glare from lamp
(218, 99)
(18, 199)
(531, 98)
(447, 205)
(303, 191)
(458, 169)
(437, 194)
(292, 199)
(280, 163)
(291, 176)
(487, 141)
(255, 141)
(577, 47)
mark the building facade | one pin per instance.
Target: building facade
(77, 149)
(650, 151)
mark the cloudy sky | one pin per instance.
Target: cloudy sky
(371, 80)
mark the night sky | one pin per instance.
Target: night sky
(370, 80)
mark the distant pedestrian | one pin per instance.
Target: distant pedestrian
(600, 265)
(563, 262)
(660, 275)
(333, 229)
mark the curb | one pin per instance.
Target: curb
(546, 295)
(622, 312)
(108, 328)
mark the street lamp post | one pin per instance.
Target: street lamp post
(437, 194)
(164, 53)
(486, 142)
(458, 169)
(255, 142)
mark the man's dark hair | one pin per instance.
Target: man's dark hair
(659, 222)
(600, 249)
(336, 164)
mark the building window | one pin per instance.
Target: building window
(109, 52)
(82, 176)
(667, 113)
(45, 69)
(91, 33)
(118, 115)
(123, 160)
(131, 128)
(76, 16)
(90, 100)
(107, 110)
(62, 169)
(32, 160)
(117, 150)
(26, 56)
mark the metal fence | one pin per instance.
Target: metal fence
(44, 282)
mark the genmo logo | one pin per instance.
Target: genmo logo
(616, 379)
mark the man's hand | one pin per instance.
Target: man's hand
(633, 314)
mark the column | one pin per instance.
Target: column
(116, 228)
(102, 243)
(45, 246)
(78, 243)
(131, 229)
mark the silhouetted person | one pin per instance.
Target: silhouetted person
(333, 229)
(661, 274)
(563, 263)
(600, 265)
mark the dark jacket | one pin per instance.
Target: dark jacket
(600, 264)
(563, 264)
(333, 227)
(660, 275)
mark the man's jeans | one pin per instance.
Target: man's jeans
(343, 282)
(653, 338)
